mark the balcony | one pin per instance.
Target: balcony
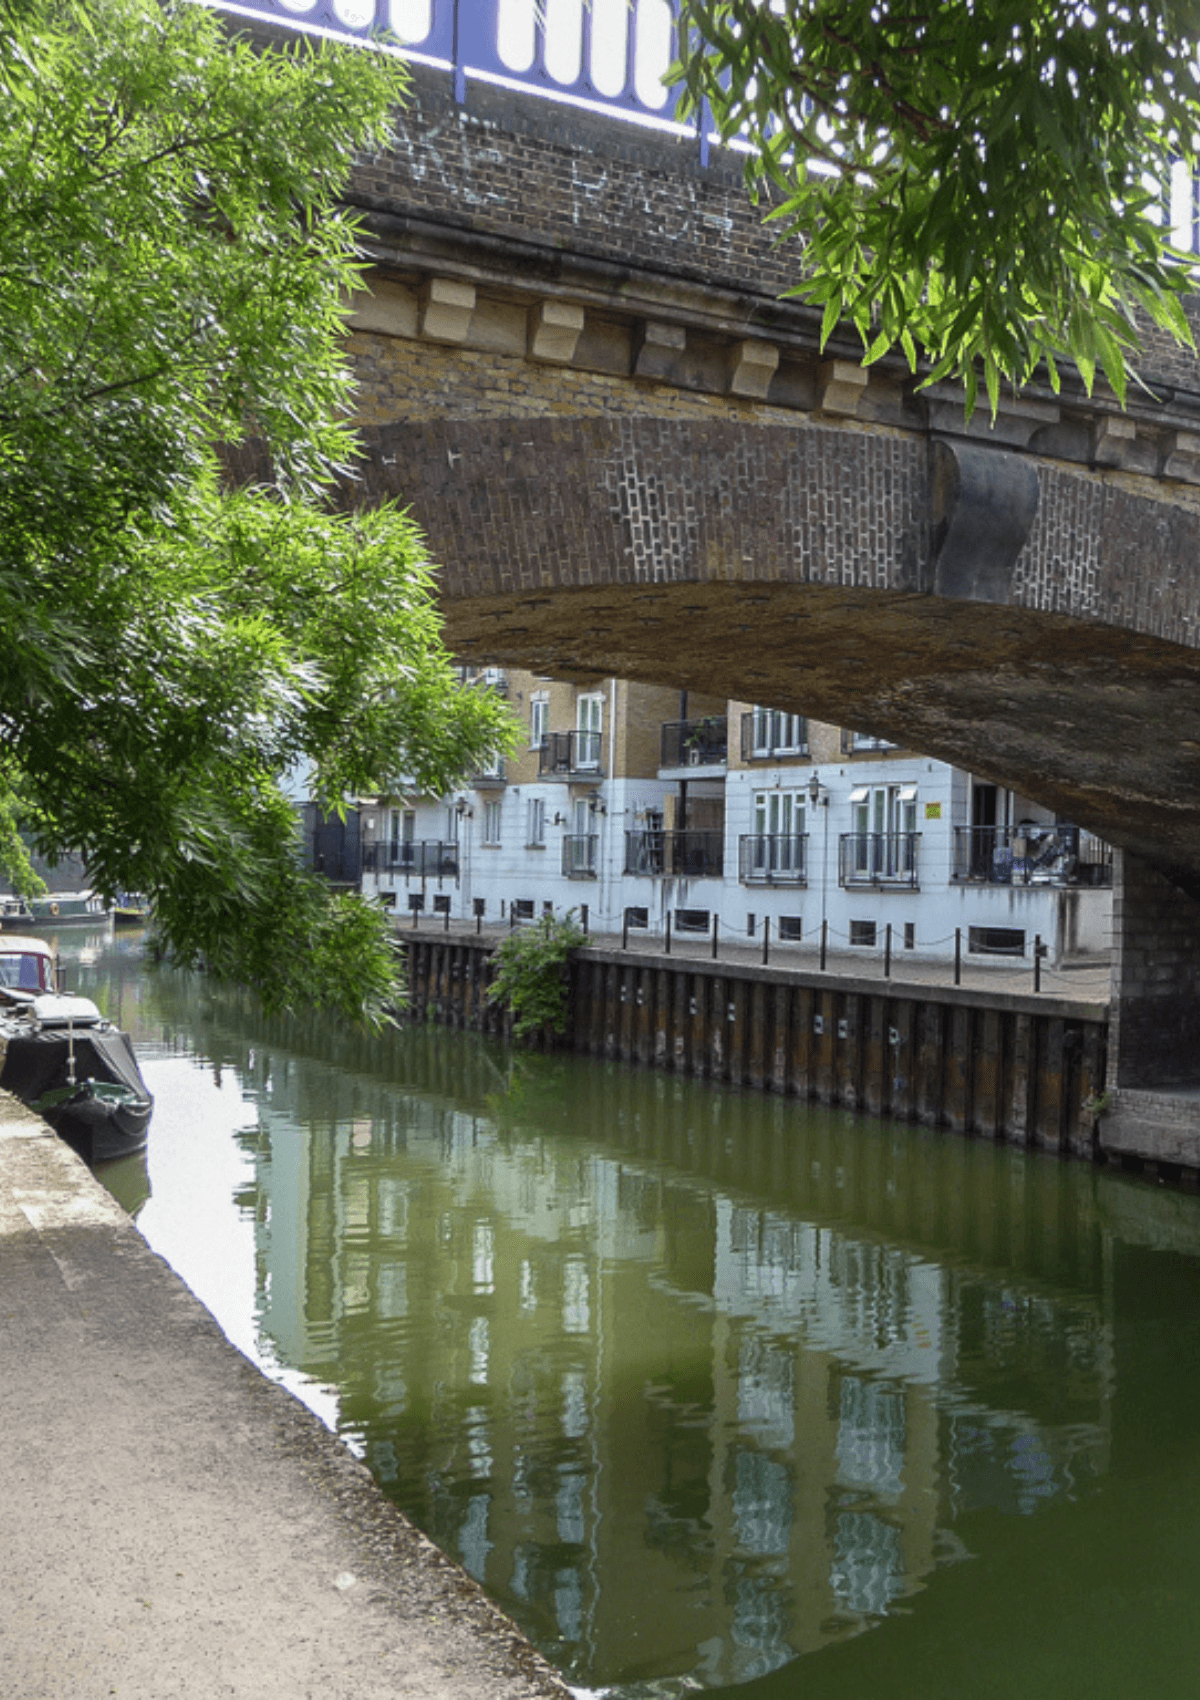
(864, 744)
(773, 859)
(695, 743)
(675, 855)
(580, 855)
(881, 859)
(1030, 855)
(768, 732)
(421, 858)
(570, 755)
(491, 777)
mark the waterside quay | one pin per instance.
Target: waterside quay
(176, 1526)
(980, 1057)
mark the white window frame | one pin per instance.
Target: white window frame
(589, 718)
(493, 815)
(539, 719)
(535, 823)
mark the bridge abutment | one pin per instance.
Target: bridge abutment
(1154, 1034)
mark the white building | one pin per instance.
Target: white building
(647, 809)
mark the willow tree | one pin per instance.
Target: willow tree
(173, 260)
(978, 182)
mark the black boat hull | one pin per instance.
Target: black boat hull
(98, 1129)
(86, 1084)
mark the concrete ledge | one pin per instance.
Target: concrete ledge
(176, 1526)
(1159, 1127)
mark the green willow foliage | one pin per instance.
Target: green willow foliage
(173, 264)
(974, 182)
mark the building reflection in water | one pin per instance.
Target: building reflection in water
(694, 1382)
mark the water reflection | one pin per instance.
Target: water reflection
(695, 1382)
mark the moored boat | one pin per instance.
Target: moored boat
(67, 1061)
(67, 908)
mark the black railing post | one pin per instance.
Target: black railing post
(887, 951)
(625, 928)
(668, 949)
(1037, 962)
(583, 918)
(958, 956)
(716, 924)
(824, 943)
(446, 928)
(766, 939)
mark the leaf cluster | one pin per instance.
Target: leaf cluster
(174, 264)
(531, 979)
(978, 183)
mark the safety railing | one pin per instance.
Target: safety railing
(695, 743)
(422, 858)
(569, 754)
(580, 855)
(1029, 854)
(773, 859)
(675, 855)
(879, 859)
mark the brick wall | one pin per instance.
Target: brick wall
(1155, 1038)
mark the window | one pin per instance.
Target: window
(862, 933)
(996, 941)
(491, 823)
(637, 917)
(884, 821)
(539, 720)
(791, 927)
(778, 844)
(522, 908)
(589, 723)
(441, 903)
(910, 935)
(772, 732)
(535, 823)
(692, 920)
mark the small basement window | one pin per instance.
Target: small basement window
(638, 917)
(791, 927)
(522, 908)
(862, 933)
(441, 903)
(692, 920)
(996, 941)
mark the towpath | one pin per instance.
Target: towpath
(175, 1526)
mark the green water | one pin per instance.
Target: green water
(711, 1391)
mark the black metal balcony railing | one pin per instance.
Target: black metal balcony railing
(421, 858)
(773, 859)
(580, 855)
(495, 773)
(879, 858)
(766, 732)
(695, 743)
(1030, 855)
(675, 855)
(570, 753)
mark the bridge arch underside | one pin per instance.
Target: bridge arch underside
(1039, 627)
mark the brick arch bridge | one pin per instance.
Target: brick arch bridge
(631, 456)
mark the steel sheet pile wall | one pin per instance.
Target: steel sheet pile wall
(999, 1065)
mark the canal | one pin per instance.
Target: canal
(711, 1390)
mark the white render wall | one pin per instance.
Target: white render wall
(1073, 922)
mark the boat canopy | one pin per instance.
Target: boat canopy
(26, 963)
